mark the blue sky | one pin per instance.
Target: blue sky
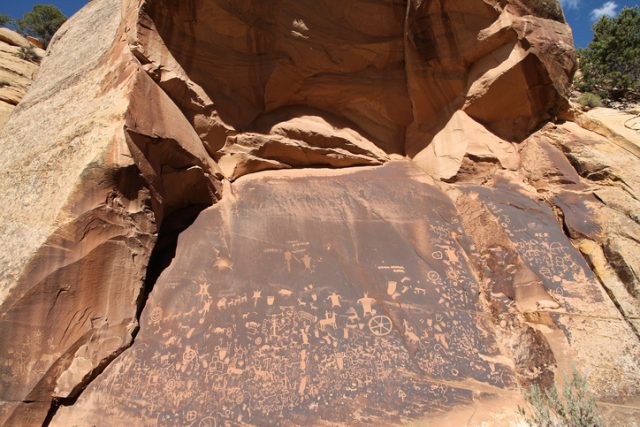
(17, 8)
(580, 13)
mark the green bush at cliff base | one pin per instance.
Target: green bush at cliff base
(590, 100)
(576, 407)
(610, 65)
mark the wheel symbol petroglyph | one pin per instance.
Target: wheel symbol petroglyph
(380, 325)
(207, 422)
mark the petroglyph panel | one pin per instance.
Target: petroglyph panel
(299, 301)
(540, 242)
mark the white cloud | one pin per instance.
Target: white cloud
(609, 9)
(570, 4)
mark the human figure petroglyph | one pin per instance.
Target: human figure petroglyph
(288, 256)
(304, 336)
(335, 299)
(366, 302)
(256, 296)
(203, 292)
(206, 307)
(306, 260)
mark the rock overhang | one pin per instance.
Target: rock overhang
(394, 72)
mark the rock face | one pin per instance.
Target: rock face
(16, 74)
(321, 212)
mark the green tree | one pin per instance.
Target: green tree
(4, 20)
(42, 22)
(610, 65)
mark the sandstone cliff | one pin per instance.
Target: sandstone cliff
(320, 212)
(16, 73)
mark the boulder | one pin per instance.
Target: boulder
(85, 202)
(229, 213)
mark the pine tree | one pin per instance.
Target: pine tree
(610, 65)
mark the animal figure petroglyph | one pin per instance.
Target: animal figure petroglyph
(329, 320)
(409, 333)
(263, 375)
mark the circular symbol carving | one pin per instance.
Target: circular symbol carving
(380, 325)
(207, 422)
(433, 276)
(191, 416)
(156, 315)
(189, 354)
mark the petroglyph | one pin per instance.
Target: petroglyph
(312, 336)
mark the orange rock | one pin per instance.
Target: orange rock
(188, 241)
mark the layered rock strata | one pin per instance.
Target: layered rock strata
(16, 73)
(387, 227)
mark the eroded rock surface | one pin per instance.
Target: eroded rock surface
(343, 297)
(16, 74)
(394, 72)
(389, 229)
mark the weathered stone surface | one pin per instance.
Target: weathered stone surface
(621, 127)
(263, 318)
(12, 38)
(461, 137)
(397, 79)
(302, 141)
(609, 168)
(16, 74)
(373, 295)
(84, 202)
